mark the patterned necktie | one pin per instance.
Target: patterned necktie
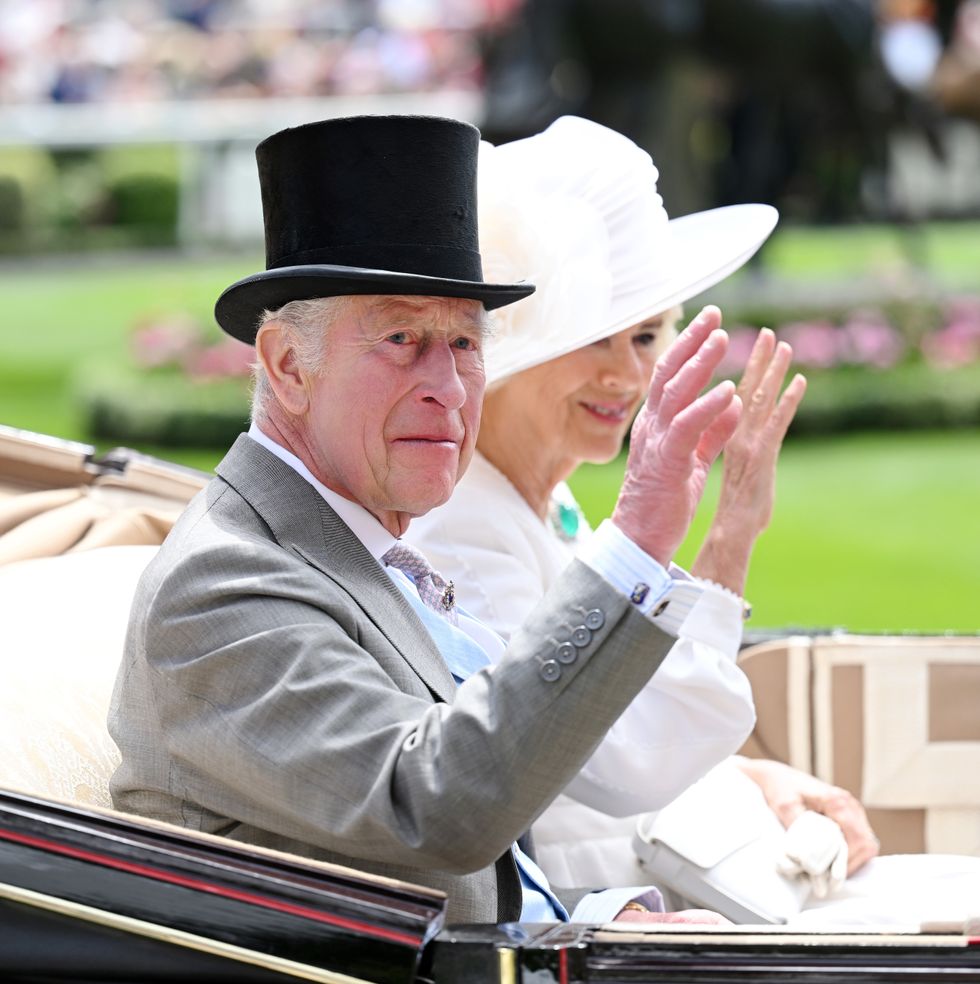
(435, 591)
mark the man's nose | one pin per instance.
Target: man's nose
(440, 376)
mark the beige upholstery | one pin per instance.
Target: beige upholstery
(63, 625)
(57, 496)
(894, 719)
(76, 532)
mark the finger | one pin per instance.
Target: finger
(860, 854)
(763, 397)
(683, 348)
(680, 391)
(685, 431)
(819, 885)
(716, 436)
(839, 869)
(759, 358)
(788, 810)
(788, 404)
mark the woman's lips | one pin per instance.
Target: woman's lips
(609, 413)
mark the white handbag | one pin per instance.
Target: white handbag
(718, 846)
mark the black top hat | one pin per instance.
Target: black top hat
(366, 205)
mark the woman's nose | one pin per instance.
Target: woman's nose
(623, 370)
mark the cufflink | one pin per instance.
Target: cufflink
(661, 608)
(640, 593)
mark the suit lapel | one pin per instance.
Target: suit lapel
(288, 504)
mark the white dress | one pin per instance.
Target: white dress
(691, 715)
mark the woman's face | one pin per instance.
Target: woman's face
(581, 404)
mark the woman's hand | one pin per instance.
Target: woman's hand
(675, 438)
(748, 484)
(790, 792)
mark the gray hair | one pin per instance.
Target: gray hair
(305, 325)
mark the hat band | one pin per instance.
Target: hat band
(423, 259)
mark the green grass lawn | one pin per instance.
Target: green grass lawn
(870, 533)
(874, 532)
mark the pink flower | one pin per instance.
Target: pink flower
(228, 357)
(958, 344)
(870, 340)
(164, 341)
(740, 345)
(816, 344)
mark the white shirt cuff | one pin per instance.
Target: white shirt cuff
(665, 597)
(603, 907)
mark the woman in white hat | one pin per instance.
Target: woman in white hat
(575, 209)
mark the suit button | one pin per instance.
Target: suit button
(565, 653)
(550, 671)
(581, 636)
(595, 619)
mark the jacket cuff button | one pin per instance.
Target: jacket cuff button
(550, 671)
(595, 619)
(565, 653)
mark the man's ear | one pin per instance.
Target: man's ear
(289, 381)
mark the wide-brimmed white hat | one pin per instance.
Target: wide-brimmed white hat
(575, 211)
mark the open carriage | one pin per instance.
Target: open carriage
(90, 894)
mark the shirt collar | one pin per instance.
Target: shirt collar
(376, 539)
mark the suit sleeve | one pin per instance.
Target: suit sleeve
(696, 710)
(275, 714)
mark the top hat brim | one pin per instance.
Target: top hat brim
(240, 307)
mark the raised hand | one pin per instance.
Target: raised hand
(748, 484)
(675, 438)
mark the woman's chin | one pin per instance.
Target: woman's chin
(601, 453)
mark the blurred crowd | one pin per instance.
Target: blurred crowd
(793, 102)
(78, 51)
(787, 101)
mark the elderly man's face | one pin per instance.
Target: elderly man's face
(393, 415)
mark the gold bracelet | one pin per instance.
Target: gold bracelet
(634, 906)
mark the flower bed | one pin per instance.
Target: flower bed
(892, 367)
(899, 366)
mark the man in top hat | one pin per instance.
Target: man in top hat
(294, 675)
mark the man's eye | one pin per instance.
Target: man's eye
(398, 337)
(466, 344)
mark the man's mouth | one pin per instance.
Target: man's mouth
(434, 439)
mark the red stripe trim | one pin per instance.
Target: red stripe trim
(157, 874)
(563, 966)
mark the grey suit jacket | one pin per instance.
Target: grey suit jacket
(278, 688)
